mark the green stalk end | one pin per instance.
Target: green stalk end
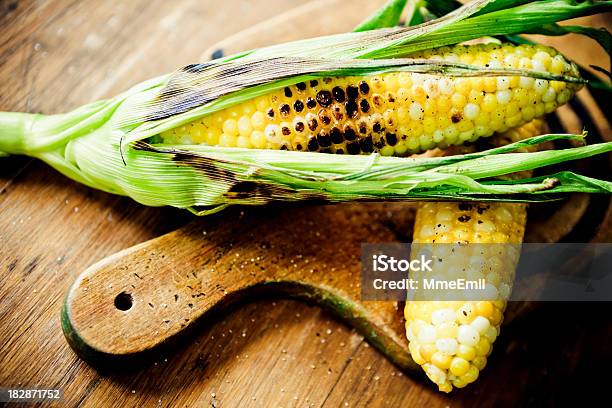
(15, 129)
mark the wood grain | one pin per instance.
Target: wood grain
(56, 55)
(143, 297)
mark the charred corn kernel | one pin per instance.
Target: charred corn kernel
(372, 113)
(459, 335)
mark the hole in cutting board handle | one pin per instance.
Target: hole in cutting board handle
(124, 301)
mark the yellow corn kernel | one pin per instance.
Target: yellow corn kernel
(459, 366)
(441, 360)
(327, 112)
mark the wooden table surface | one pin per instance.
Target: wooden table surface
(57, 55)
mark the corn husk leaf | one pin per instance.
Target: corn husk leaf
(107, 144)
(387, 16)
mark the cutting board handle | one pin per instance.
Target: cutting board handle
(144, 297)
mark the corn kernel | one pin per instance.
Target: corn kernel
(459, 366)
(471, 375)
(441, 360)
(227, 140)
(437, 111)
(480, 362)
(466, 352)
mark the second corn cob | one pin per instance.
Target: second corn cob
(452, 339)
(395, 113)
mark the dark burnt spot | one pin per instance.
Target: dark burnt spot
(465, 206)
(456, 117)
(353, 147)
(270, 113)
(251, 189)
(29, 268)
(377, 127)
(364, 87)
(339, 151)
(301, 86)
(285, 109)
(464, 218)
(288, 92)
(299, 126)
(336, 135)
(364, 105)
(298, 147)
(313, 145)
(366, 144)
(325, 150)
(479, 221)
(351, 109)
(327, 80)
(482, 208)
(337, 112)
(352, 92)
(379, 143)
(324, 139)
(298, 105)
(312, 124)
(391, 139)
(363, 128)
(206, 165)
(390, 122)
(323, 117)
(243, 187)
(284, 147)
(311, 103)
(324, 98)
(286, 131)
(338, 94)
(391, 98)
(377, 101)
(349, 133)
(314, 83)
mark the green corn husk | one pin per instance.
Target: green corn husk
(110, 145)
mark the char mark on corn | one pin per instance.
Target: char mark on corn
(394, 113)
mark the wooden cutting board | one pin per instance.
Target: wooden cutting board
(52, 229)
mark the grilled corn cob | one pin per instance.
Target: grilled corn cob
(394, 113)
(452, 339)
